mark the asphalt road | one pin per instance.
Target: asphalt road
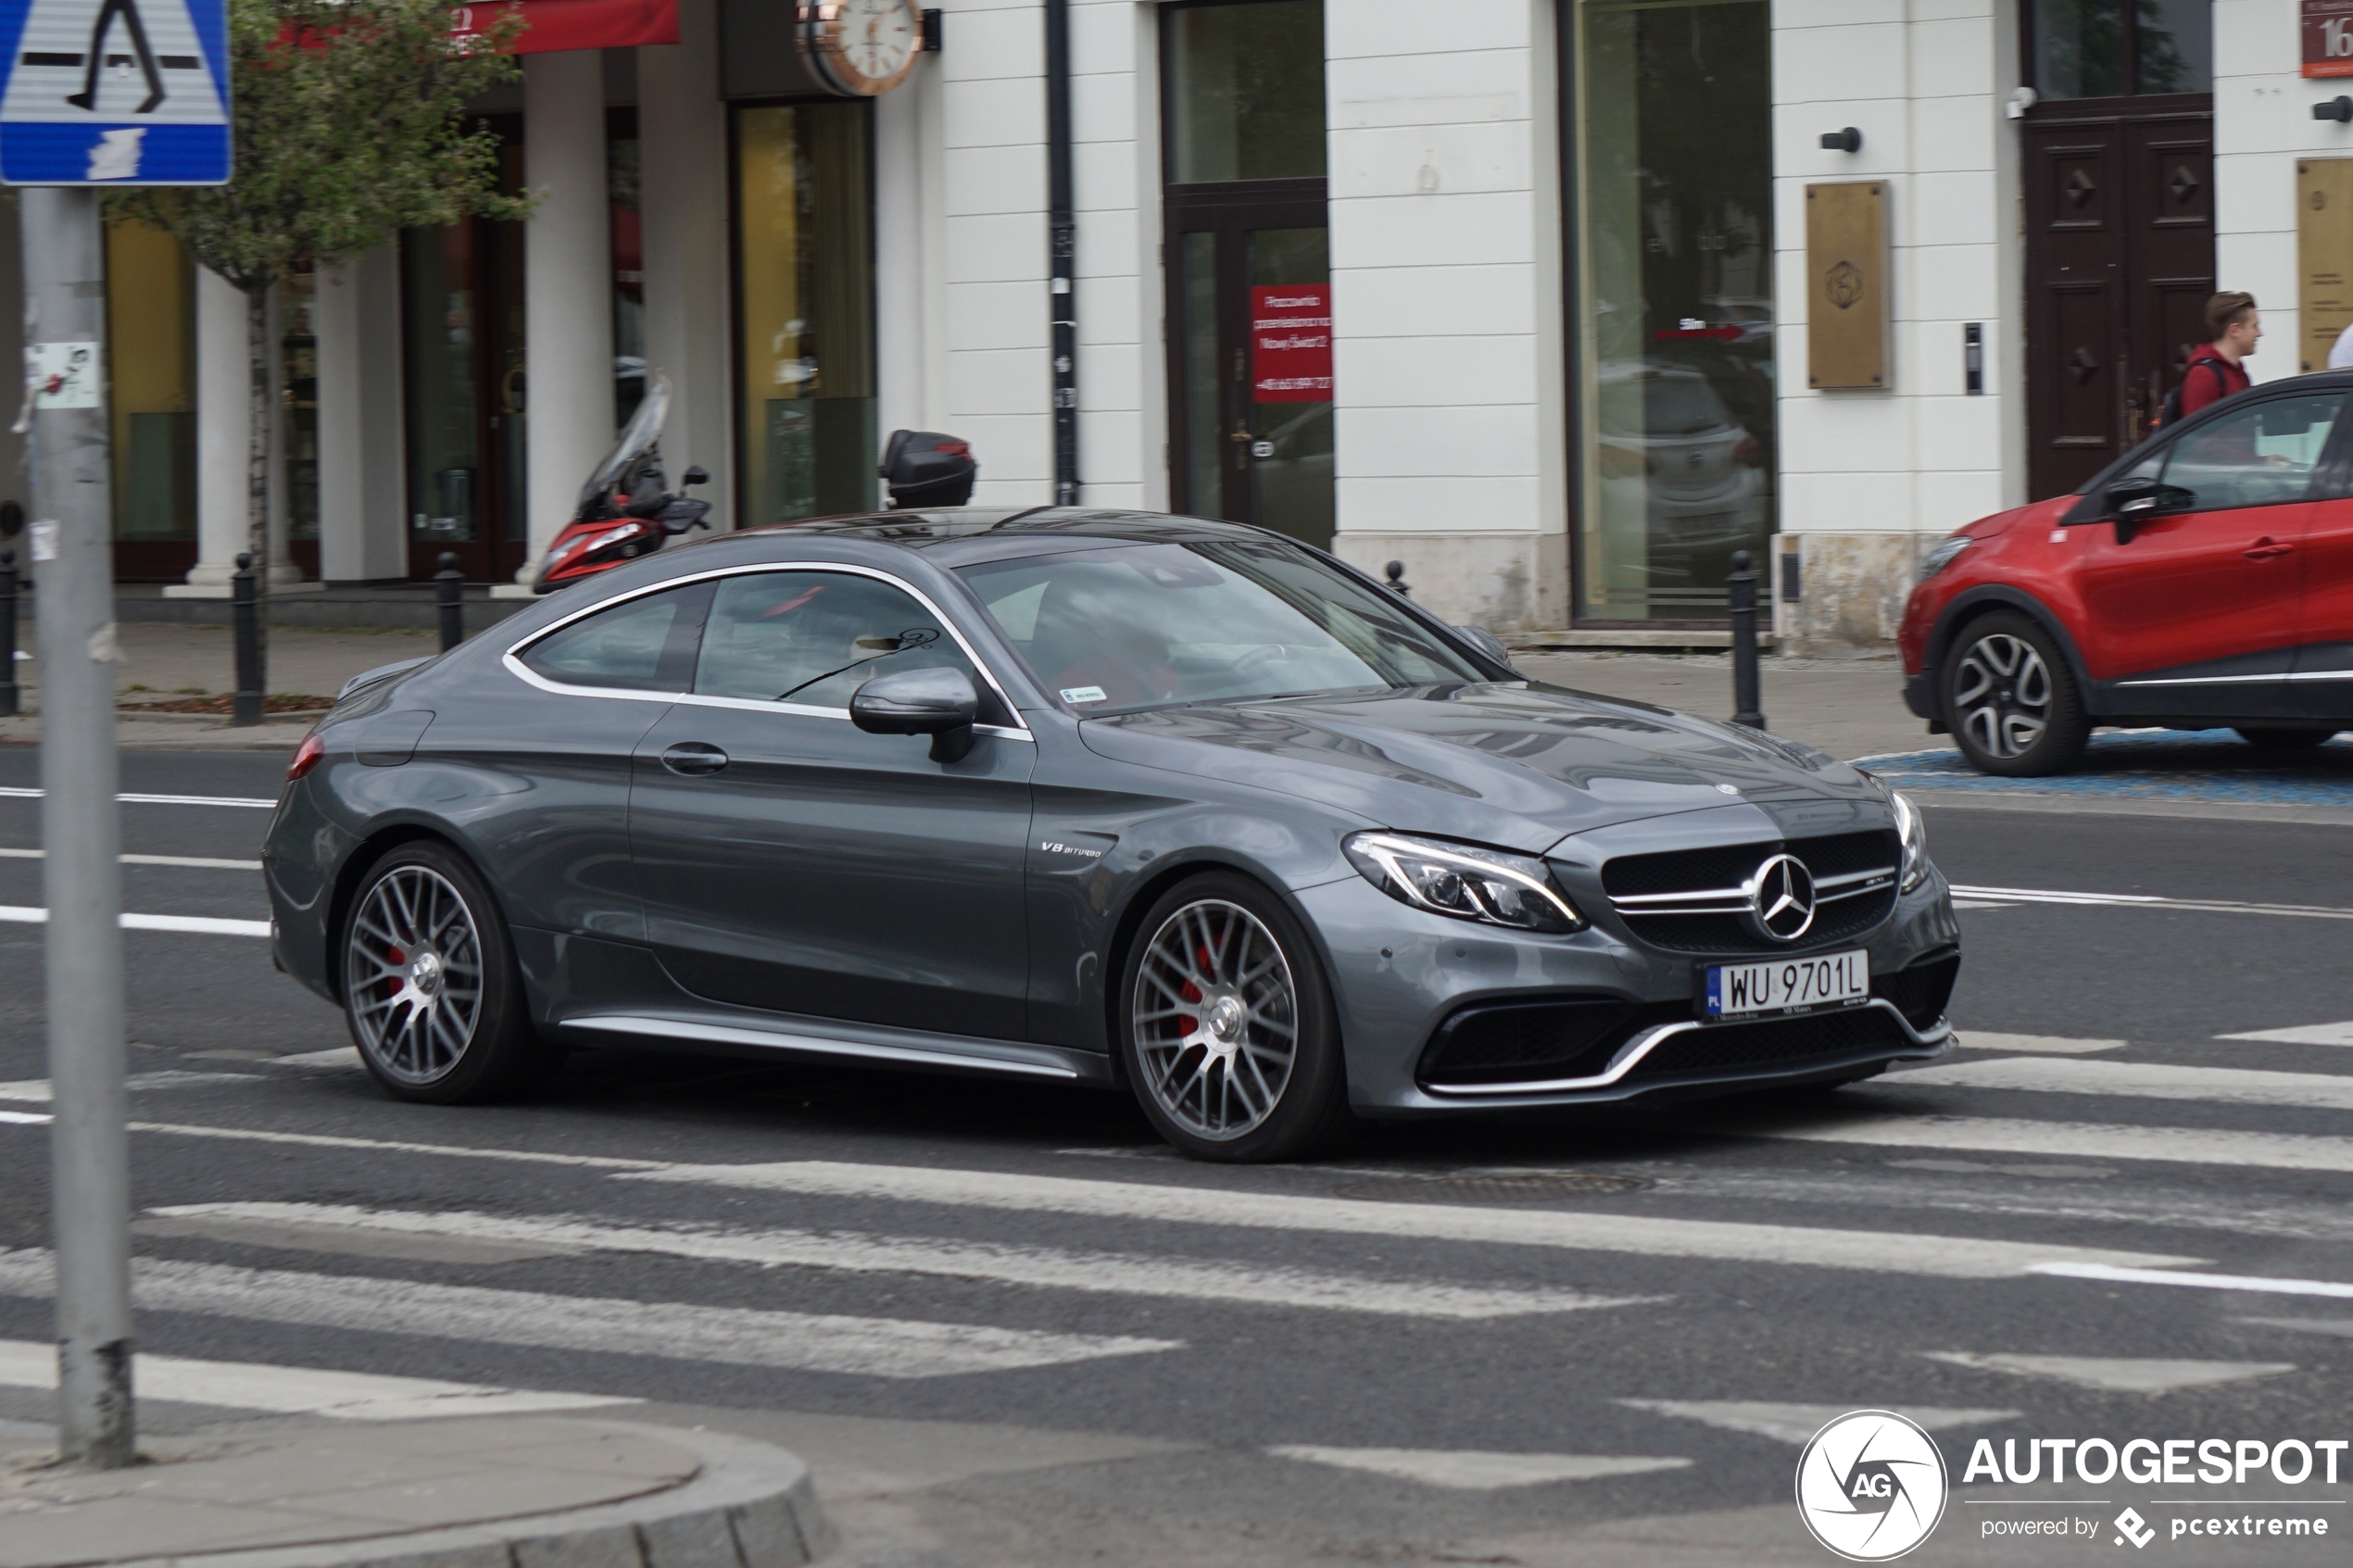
(1009, 1329)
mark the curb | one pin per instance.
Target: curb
(750, 1506)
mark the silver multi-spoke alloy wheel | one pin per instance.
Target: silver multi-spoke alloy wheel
(413, 975)
(2002, 695)
(1215, 1015)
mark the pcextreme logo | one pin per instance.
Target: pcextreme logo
(1871, 1485)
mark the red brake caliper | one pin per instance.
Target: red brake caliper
(393, 955)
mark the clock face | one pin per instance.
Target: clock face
(867, 46)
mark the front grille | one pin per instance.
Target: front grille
(1557, 1037)
(1921, 991)
(1775, 1043)
(1721, 930)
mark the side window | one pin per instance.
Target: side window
(644, 645)
(2263, 455)
(814, 637)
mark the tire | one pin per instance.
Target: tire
(431, 989)
(2264, 739)
(1218, 971)
(2010, 699)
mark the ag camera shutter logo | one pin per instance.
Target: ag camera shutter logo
(1871, 1485)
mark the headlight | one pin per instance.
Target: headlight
(1489, 885)
(1914, 827)
(1944, 555)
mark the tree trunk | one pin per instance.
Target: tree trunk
(260, 420)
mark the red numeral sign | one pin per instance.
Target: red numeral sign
(2328, 37)
(1290, 342)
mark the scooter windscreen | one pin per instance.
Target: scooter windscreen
(643, 430)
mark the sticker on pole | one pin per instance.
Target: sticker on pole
(113, 92)
(62, 375)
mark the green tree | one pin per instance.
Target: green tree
(350, 125)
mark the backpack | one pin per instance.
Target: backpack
(2169, 411)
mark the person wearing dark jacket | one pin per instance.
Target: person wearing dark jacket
(2237, 325)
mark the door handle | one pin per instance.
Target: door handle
(2265, 549)
(694, 759)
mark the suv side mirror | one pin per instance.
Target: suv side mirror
(939, 702)
(2135, 503)
(923, 468)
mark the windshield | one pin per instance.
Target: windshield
(643, 430)
(1139, 626)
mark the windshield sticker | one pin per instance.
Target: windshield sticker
(1083, 694)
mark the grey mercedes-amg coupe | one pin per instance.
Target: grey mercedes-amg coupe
(1090, 797)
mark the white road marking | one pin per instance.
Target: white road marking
(2151, 902)
(2117, 1374)
(207, 925)
(195, 862)
(395, 1146)
(283, 1390)
(1475, 1472)
(2145, 1080)
(1045, 1267)
(2085, 1140)
(671, 1330)
(1981, 904)
(1798, 1423)
(2341, 1327)
(2302, 1034)
(2254, 1283)
(2041, 1044)
(1943, 1256)
(37, 1090)
(24, 1118)
(336, 1056)
(18, 792)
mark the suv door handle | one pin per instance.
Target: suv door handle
(693, 758)
(2265, 549)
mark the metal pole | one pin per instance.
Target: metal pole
(448, 586)
(1746, 698)
(1062, 236)
(245, 612)
(7, 633)
(81, 834)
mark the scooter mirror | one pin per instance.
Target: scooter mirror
(696, 475)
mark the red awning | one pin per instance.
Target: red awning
(551, 25)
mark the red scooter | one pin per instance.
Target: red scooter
(626, 509)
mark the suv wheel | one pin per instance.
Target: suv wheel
(2011, 701)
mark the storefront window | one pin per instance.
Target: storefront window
(805, 284)
(151, 324)
(1246, 92)
(1676, 397)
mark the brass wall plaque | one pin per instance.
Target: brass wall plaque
(2324, 255)
(1847, 284)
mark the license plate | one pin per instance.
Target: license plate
(1788, 986)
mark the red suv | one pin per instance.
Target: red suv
(2204, 580)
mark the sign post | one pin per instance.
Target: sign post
(96, 93)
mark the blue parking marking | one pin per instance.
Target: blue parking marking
(2211, 766)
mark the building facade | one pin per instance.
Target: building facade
(1558, 303)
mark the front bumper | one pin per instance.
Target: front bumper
(1398, 973)
(1920, 694)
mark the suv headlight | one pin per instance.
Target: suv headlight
(1914, 827)
(1489, 885)
(1944, 555)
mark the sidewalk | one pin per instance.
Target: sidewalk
(1848, 706)
(523, 1492)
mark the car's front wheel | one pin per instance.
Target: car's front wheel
(1226, 1025)
(430, 986)
(2011, 700)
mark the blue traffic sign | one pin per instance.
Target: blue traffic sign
(113, 92)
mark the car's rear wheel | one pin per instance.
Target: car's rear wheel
(430, 986)
(1226, 1025)
(2264, 738)
(2011, 701)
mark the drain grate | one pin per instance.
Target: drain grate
(1533, 1188)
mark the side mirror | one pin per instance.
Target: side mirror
(1487, 643)
(923, 468)
(682, 513)
(2135, 503)
(939, 702)
(696, 475)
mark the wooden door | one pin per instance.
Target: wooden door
(2120, 263)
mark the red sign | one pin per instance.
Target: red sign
(1290, 342)
(551, 25)
(2328, 37)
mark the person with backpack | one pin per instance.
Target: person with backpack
(2217, 369)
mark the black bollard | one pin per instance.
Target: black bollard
(245, 707)
(1396, 574)
(7, 633)
(1745, 698)
(448, 588)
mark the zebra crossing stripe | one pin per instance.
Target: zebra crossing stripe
(2075, 1140)
(2149, 1080)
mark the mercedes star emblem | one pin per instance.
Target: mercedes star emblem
(1781, 896)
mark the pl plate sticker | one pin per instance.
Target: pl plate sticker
(1871, 1485)
(1083, 694)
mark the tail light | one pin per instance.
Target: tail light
(1750, 451)
(305, 756)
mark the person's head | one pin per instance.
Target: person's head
(2232, 324)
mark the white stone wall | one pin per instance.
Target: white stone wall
(1925, 81)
